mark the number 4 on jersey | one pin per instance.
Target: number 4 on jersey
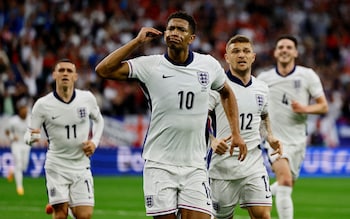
(285, 99)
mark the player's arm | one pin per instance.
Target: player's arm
(11, 134)
(229, 103)
(266, 132)
(90, 145)
(319, 107)
(114, 66)
(32, 134)
(219, 146)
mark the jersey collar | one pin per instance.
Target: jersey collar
(236, 80)
(187, 62)
(289, 73)
(59, 98)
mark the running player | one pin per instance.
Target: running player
(16, 128)
(291, 88)
(67, 116)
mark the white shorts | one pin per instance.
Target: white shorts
(253, 190)
(168, 188)
(20, 153)
(295, 156)
(75, 188)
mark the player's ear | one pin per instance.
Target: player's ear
(192, 38)
(254, 57)
(227, 58)
(75, 77)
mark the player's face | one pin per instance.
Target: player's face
(65, 74)
(178, 34)
(240, 57)
(22, 112)
(285, 51)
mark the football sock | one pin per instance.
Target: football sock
(18, 178)
(273, 188)
(284, 202)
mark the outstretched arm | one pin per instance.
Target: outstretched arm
(113, 66)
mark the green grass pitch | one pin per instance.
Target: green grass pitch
(122, 198)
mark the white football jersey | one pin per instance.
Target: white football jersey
(178, 97)
(67, 126)
(300, 85)
(252, 100)
(18, 128)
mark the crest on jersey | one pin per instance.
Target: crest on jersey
(260, 101)
(149, 201)
(203, 78)
(297, 84)
(82, 112)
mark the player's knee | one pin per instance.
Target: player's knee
(286, 181)
(83, 215)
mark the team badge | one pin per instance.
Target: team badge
(81, 112)
(259, 101)
(297, 84)
(203, 78)
(149, 201)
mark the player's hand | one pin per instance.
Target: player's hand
(276, 145)
(298, 108)
(32, 136)
(146, 34)
(89, 148)
(237, 141)
(219, 146)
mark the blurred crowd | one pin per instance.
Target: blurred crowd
(34, 34)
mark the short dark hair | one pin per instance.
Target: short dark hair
(183, 15)
(60, 61)
(238, 39)
(288, 37)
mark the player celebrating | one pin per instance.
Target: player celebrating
(177, 84)
(291, 87)
(16, 128)
(232, 181)
(67, 114)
